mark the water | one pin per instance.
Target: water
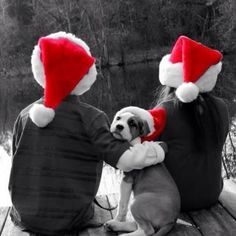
(114, 89)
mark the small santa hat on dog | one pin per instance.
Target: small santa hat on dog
(191, 68)
(155, 118)
(62, 64)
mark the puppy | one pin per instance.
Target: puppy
(129, 127)
(156, 204)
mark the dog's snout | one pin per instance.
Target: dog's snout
(120, 127)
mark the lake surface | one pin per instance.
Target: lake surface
(114, 89)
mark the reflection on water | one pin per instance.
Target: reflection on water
(114, 89)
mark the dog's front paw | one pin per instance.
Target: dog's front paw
(113, 225)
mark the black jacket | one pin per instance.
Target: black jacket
(196, 173)
(56, 170)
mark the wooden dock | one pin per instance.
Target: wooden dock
(215, 221)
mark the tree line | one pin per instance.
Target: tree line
(117, 28)
(120, 32)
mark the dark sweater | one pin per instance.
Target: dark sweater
(196, 173)
(56, 170)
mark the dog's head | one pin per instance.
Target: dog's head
(128, 126)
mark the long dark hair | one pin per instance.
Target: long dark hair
(203, 114)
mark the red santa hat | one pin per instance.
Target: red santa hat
(62, 64)
(191, 68)
(155, 118)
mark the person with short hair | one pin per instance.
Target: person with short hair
(60, 143)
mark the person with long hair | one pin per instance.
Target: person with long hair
(197, 121)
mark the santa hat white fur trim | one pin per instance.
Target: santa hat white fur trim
(171, 74)
(142, 113)
(87, 81)
(37, 67)
(187, 92)
(41, 115)
(36, 63)
(208, 80)
(71, 38)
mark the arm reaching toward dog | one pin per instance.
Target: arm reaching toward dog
(120, 153)
(141, 155)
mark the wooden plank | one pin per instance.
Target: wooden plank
(214, 221)
(185, 217)
(178, 230)
(184, 230)
(11, 230)
(3, 217)
(228, 196)
(101, 216)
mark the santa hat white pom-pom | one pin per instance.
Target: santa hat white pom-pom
(187, 92)
(41, 115)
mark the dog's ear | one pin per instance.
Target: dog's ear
(143, 128)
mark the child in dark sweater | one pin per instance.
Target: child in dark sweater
(197, 122)
(60, 143)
